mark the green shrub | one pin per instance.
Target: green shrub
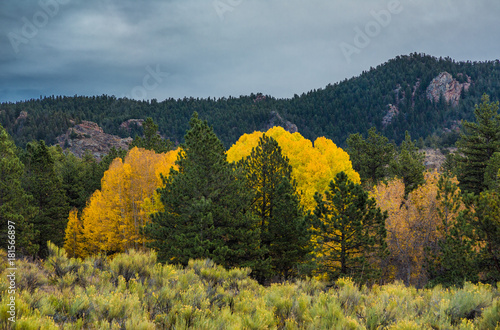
(133, 264)
(59, 265)
(36, 322)
(407, 325)
(30, 276)
(348, 294)
(310, 286)
(281, 298)
(469, 302)
(326, 313)
(491, 317)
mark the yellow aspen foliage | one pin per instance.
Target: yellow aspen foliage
(114, 216)
(95, 225)
(313, 166)
(414, 225)
(73, 239)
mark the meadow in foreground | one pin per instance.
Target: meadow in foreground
(133, 291)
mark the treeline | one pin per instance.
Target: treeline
(244, 213)
(336, 111)
(274, 202)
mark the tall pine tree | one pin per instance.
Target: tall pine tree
(207, 208)
(454, 261)
(486, 221)
(350, 231)
(15, 203)
(478, 142)
(151, 140)
(48, 194)
(370, 157)
(284, 231)
(409, 165)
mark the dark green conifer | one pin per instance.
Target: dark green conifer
(370, 157)
(151, 140)
(454, 260)
(15, 204)
(478, 142)
(284, 231)
(48, 194)
(486, 221)
(207, 208)
(350, 231)
(409, 165)
(491, 178)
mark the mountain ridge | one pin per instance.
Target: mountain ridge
(393, 97)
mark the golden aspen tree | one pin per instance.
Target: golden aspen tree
(313, 166)
(414, 226)
(73, 240)
(115, 214)
(95, 225)
(390, 198)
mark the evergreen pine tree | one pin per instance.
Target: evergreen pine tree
(47, 190)
(409, 165)
(491, 178)
(370, 157)
(350, 231)
(71, 170)
(289, 233)
(206, 207)
(151, 140)
(455, 260)
(478, 142)
(486, 221)
(284, 232)
(16, 210)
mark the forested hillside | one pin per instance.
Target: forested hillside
(393, 97)
(370, 223)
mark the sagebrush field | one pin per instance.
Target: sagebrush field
(133, 291)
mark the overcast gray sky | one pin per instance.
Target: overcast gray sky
(146, 49)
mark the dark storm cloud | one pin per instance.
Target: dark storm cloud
(177, 48)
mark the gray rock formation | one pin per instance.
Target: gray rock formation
(277, 120)
(89, 136)
(450, 88)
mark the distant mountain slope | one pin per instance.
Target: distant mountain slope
(399, 87)
(393, 97)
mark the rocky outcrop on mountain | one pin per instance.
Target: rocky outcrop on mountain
(414, 92)
(259, 98)
(128, 123)
(391, 113)
(444, 84)
(277, 120)
(434, 158)
(22, 116)
(89, 136)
